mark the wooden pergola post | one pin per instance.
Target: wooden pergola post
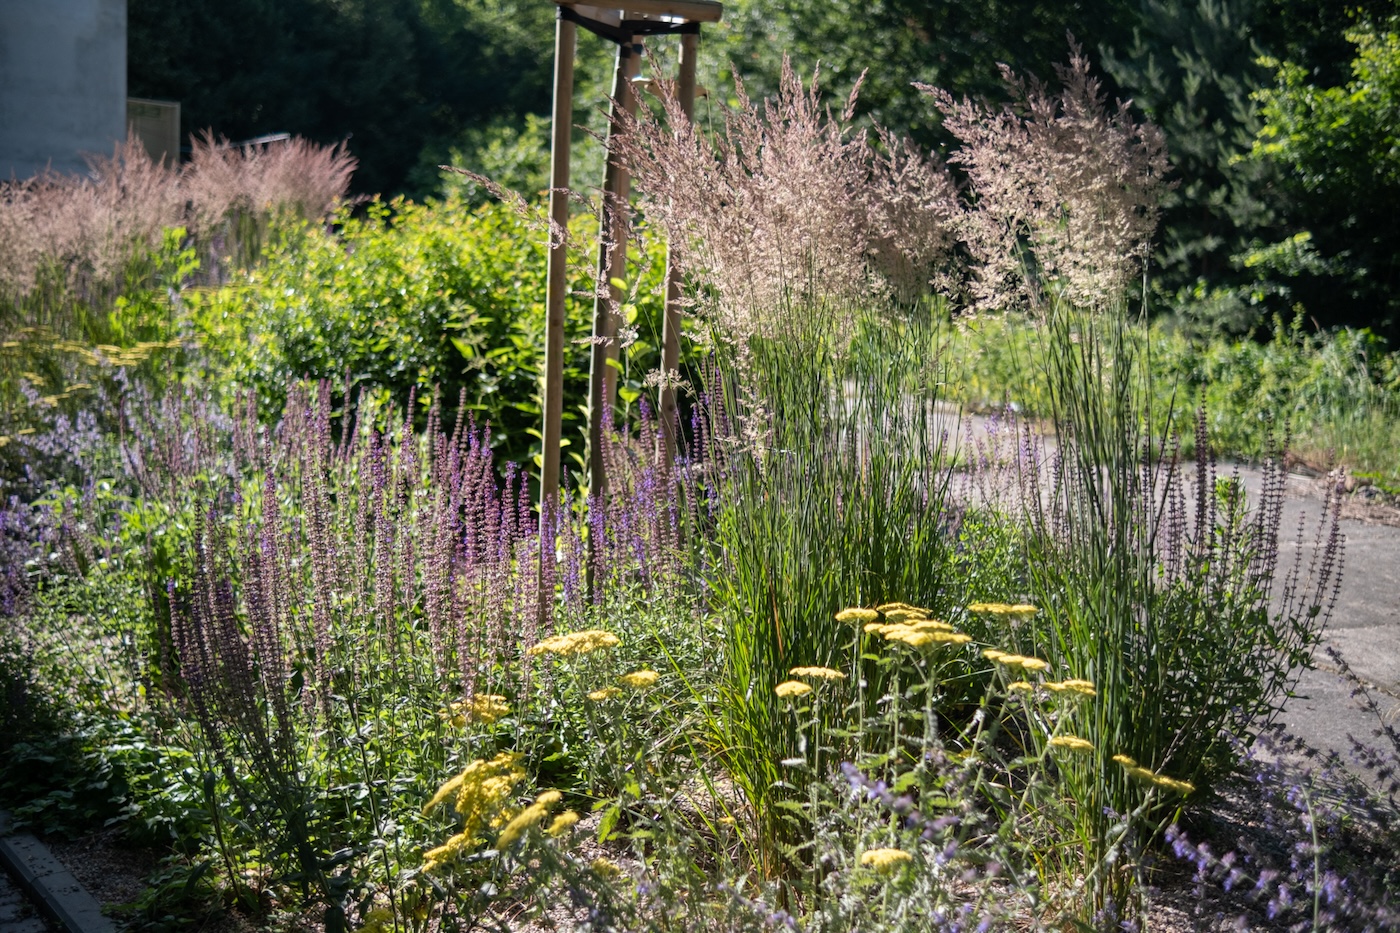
(671, 322)
(612, 268)
(625, 26)
(556, 287)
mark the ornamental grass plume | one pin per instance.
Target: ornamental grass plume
(790, 206)
(885, 860)
(1066, 190)
(87, 227)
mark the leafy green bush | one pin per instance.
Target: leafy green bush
(421, 297)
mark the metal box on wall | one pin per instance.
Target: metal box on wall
(157, 124)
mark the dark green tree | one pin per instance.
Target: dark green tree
(1191, 68)
(955, 44)
(394, 77)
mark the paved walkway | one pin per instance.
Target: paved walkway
(1365, 625)
(16, 913)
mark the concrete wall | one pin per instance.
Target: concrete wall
(62, 83)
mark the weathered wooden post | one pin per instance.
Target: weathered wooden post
(671, 322)
(556, 285)
(626, 26)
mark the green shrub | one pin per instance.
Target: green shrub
(421, 297)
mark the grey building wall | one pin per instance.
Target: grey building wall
(62, 83)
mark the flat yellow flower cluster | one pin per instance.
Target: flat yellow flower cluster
(916, 638)
(1018, 611)
(484, 708)
(1083, 688)
(639, 680)
(585, 642)
(792, 688)
(884, 860)
(1148, 776)
(1015, 660)
(479, 795)
(606, 693)
(821, 673)
(904, 624)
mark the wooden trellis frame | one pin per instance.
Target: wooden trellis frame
(626, 26)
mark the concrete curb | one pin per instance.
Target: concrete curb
(52, 887)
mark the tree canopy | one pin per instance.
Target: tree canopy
(1277, 113)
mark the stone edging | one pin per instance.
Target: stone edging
(52, 887)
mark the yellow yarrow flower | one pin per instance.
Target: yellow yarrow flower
(488, 707)
(857, 616)
(1016, 660)
(1080, 687)
(436, 858)
(1148, 776)
(1020, 686)
(884, 860)
(992, 654)
(893, 607)
(915, 638)
(930, 625)
(639, 680)
(606, 869)
(1004, 610)
(905, 615)
(1072, 742)
(549, 798)
(479, 793)
(792, 688)
(562, 823)
(585, 642)
(607, 693)
(821, 673)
